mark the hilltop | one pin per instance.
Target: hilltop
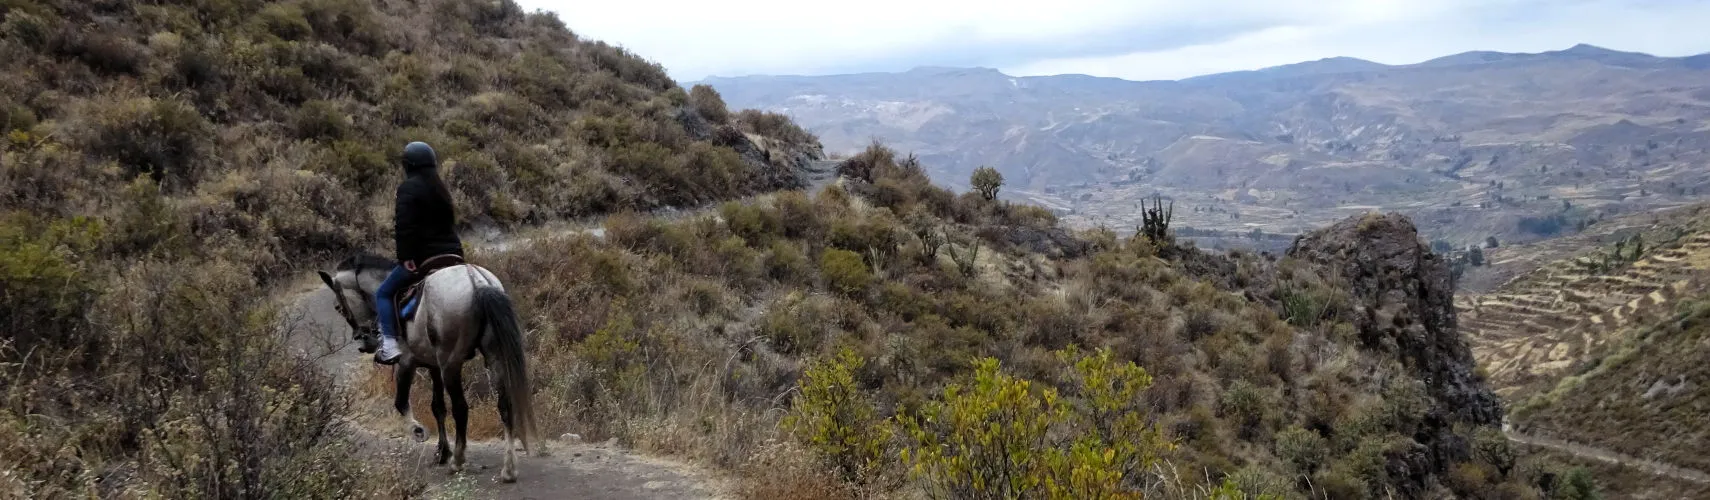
(1521, 147)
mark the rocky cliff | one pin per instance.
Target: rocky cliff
(1403, 305)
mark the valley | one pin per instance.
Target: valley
(1596, 342)
(1521, 147)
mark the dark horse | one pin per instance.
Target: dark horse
(463, 310)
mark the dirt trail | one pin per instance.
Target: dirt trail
(1594, 453)
(571, 469)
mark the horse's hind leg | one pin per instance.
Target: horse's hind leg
(406, 374)
(453, 373)
(444, 452)
(509, 472)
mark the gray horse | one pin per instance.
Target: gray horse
(463, 310)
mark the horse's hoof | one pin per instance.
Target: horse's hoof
(419, 432)
(507, 477)
(456, 468)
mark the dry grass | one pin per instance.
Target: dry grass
(152, 153)
(688, 337)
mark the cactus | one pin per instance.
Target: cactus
(1155, 220)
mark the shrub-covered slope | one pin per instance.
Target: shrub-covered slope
(164, 164)
(920, 341)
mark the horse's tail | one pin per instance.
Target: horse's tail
(503, 343)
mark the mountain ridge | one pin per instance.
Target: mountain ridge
(1470, 144)
(1456, 59)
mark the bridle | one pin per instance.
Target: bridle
(357, 332)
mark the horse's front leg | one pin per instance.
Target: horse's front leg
(406, 373)
(444, 453)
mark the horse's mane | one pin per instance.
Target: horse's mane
(365, 261)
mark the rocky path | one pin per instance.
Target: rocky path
(569, 469)
(1609, 456)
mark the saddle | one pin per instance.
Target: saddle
(411, 294)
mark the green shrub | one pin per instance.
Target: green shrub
(1116, 443)
(844, 271)
(998, 437)
(837, 420)
(46, 275)
(987, 439)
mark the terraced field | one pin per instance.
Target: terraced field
(1541, 325)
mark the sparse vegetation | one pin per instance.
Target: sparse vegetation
(167, 166)
(866, 367)
(167, 175)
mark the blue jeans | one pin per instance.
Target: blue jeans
(383, 301)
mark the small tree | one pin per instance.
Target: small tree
(987, 181)
(1490, 242)
(1475, 256)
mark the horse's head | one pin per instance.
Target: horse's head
(353, 304)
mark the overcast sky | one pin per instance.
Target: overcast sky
(1133, 39)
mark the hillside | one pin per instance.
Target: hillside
(1557, 319)
(1469, 145)
(859, 308)
(166, 165)
(172, 169)
(1599, 345)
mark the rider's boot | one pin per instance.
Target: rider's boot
(388, 352)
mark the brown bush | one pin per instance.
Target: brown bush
(775, 126)
(709, 104)
(320, 120)
(163, 138)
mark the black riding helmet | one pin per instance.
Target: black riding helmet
(418, 155)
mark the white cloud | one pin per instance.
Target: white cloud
(1136, 39)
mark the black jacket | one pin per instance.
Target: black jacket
(425, 223)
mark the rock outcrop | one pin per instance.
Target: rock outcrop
(1403, 306)
(786, 167)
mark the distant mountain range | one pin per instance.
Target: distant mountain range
(1472, 145)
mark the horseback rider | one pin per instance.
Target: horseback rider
(424, 226)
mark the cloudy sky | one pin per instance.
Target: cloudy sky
(1133, 39)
